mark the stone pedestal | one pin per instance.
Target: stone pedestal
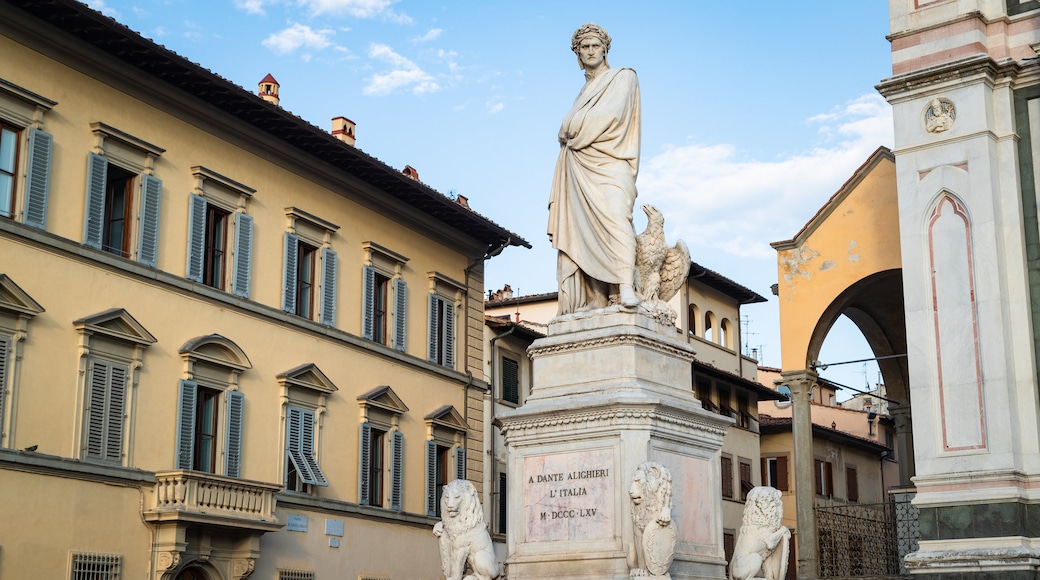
(612, 389)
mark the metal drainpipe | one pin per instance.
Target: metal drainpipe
(491, 419)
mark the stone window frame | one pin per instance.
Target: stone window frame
(213, 362)
(110, 338)
(444, 291)
(136, 156)
(26, 110)
(17, 309)
(382, 408)
(390, 265)
(232, 198)
(305, 388)
(445, 427)
(311, 230)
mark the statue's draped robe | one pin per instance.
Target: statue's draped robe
(594, 188)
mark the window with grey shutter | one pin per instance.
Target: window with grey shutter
(107, 401)
(449, 334)
(148, 238)
(300, 443)
(396, 470)
(502, 511)
(460, 462)
(93, 220)
(233, 443)
(292, 250)
(37, 184)
(510, 380)
(196, 237)
(186, 424)
(435, 327)
(364, 463)
(328, 287)
(400, 314)
(368, 304)
(241, 277)
(431, 478)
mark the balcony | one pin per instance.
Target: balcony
(204, 498)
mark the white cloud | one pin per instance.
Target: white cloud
(253, 6)
(495, 107)
(405, 74)
(299, 36)
(140, 12)
(431, 34)
(716, 197)
(357, 9)
(104, 8)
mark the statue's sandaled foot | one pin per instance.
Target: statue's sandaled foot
(628, 296)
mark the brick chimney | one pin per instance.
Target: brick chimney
(268, 89)
(343, 129)
(410, 172)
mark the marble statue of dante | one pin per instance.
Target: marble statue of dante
(594, 188)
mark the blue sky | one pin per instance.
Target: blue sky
(754, 112)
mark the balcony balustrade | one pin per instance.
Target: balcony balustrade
(200, 497)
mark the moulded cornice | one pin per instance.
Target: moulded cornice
(447, 417)
(383, 398)
(116, 323)
(218, 350)
(612, 417)
(957, 70)
(308, 376)
(14, 299)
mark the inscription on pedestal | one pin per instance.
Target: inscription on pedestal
(569, 496)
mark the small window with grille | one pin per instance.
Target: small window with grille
(91, 566)
(286, 574)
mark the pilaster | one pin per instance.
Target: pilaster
(801, 384)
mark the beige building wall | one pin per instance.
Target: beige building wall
(165, 328)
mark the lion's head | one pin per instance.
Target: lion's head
(651, 492)
(764, 508)
(460, 508)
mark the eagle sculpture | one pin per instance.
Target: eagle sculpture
(660, 270)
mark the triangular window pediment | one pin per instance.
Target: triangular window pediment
(308, 376)
(117, 324)
(218, 350)
(14, 299)
(383, 398)
(448, 418)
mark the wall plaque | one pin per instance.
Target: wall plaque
(569, 496)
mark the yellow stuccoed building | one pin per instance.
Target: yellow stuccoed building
(231, 345)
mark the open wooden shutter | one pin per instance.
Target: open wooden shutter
(97, 179)
(307, 449)
(460, 462)
(818, 468)
(397, 470)
(435, 303)
(328, 287)
(5, 345)
(294, 444)
(449, 334)
(148, 237)
(241, 276)
(400, 314)
(186, 424)
(368, 302)
(431, 478)
(292, 250)
(115, 413)
(510, 380)
(781, 474)
(97, 383)
(196, 237)
(852, 483)
(364, 463)
(38, 180)
(726, 464)
(830, 478)
(502, 503)
(235, 414)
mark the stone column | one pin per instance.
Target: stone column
(904, 443)
(801, 384)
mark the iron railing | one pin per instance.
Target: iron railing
(867, 540)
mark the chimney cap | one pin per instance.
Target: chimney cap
(411, 172)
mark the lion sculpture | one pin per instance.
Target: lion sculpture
(464, 538)
(763, 545)
(654, 547)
